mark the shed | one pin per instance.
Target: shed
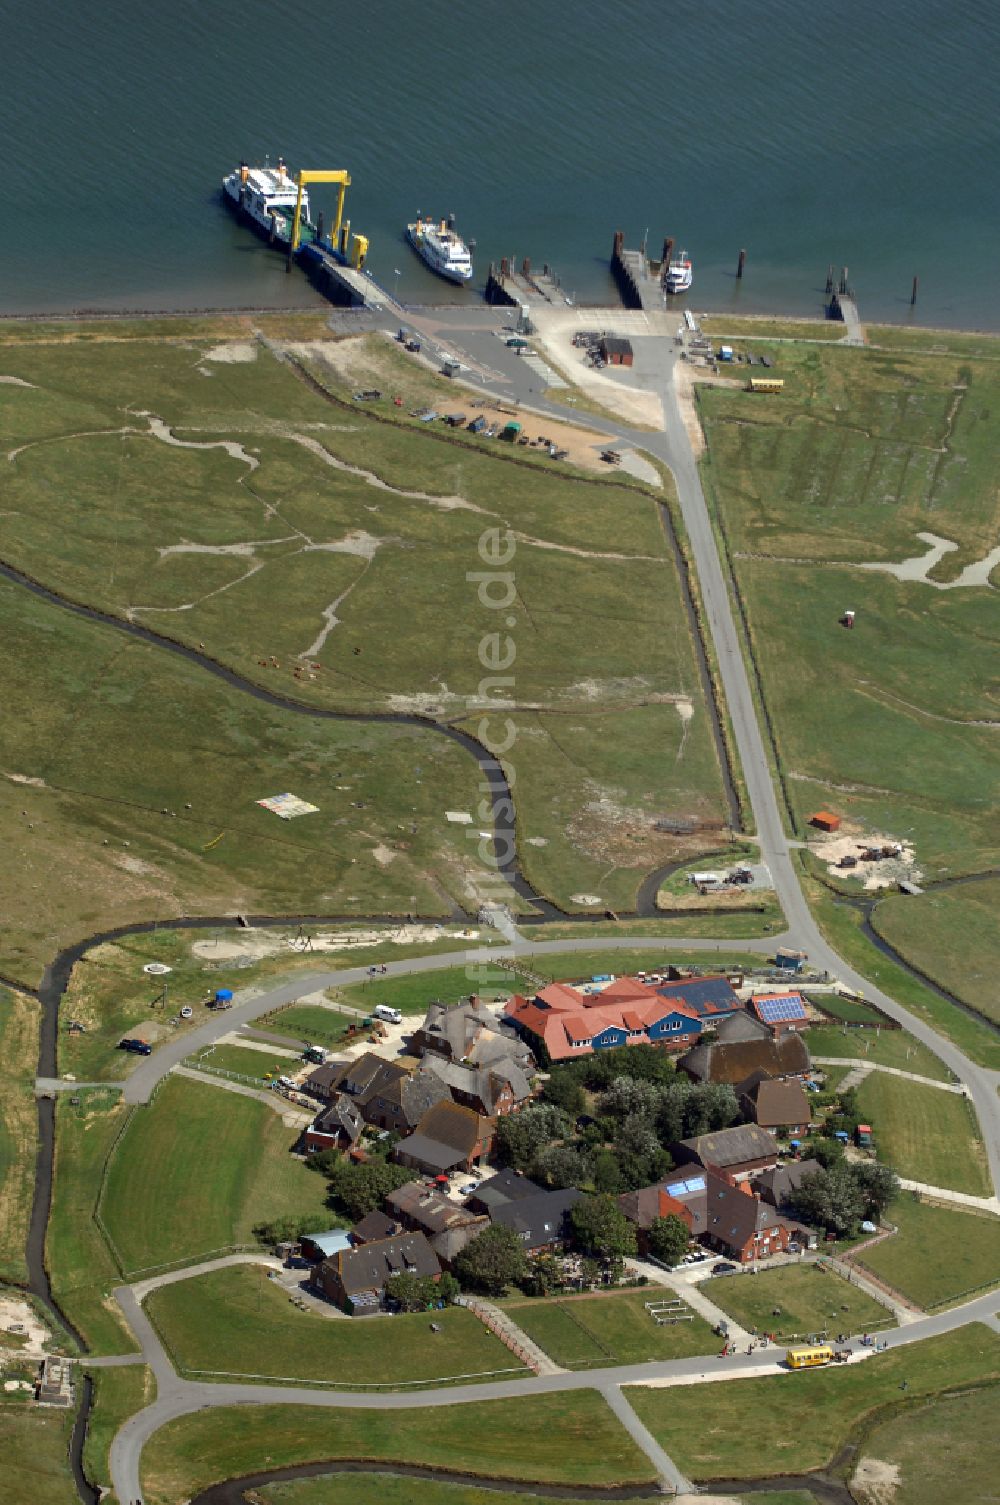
(616, 351)
(823, 820)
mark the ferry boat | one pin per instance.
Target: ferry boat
(265, 198)
(678, 276)
(438, 244)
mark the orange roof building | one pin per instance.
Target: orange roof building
(563, 1021)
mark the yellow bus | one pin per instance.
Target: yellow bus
(808, 1358)
(765, 384)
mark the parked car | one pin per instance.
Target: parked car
(137, 1047)
(723, 1267)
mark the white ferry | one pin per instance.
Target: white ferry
(438, 244)
(679, 275)
(265, 197)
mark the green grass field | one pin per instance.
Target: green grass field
(196, 1170)
(848, 1009)
(19, 1017)
(309, 1022)
(412, 995)
(940, 1254)
(118, 1394)
(389, 1489)
(866, 450)
(841, 924)
(237, 1322)
(780, 1426)
(244, 551)
(81, 1266)
(605, 1330)
(575, 1439)
(809, 1299)
(246, 1062)
(926, 1134)
(33, 1454)
(887, 1047)
(943, 1449)
(950, 934)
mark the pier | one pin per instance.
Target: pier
(344, 285)
(843, 305)
(639, 280)
(512, 287)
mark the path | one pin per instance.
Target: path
(272, 1100)
(177, 1397)
(689, 1291)
(910, 1076)
(960, 1198)
(667, 1472)
(506, 1329)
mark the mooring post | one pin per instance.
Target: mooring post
(741, 264)
(843, 279)
(829, 279)
(913, 294)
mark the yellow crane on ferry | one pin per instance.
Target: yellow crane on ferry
(340, 232)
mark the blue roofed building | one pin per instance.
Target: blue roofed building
(780, 1011)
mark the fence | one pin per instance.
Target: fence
(496, 1327)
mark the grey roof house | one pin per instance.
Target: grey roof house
(355, 1279)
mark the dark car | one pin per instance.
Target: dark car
(137, 1047)
(723, 1267)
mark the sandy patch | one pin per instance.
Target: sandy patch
(15, 381)
(920, 565)
(850, 841)
(586, 898)
(166, 435)
(26, 778)
(555, 329)
(255, 945)
(18, 1315)
(383, 855)
(875, 1482)
(135, 865)
(688, 375)
(233, 353)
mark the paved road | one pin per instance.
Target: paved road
(177, 1397)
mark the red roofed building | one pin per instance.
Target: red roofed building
(563, 1021)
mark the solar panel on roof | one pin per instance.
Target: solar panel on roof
(776, 1010)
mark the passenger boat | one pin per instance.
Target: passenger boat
(265, 198)
(678, 276)
(438, 244)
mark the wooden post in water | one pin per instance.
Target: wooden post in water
(913, 294)
(740, 265)
(829, 279)
(843, 279)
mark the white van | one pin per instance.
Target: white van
(386, 1014)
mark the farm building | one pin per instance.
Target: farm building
(737, 1152)
(355, 1279)
(539, 1221)
(777, 1105)
(735, 1061)
(780, 1011)
(823, 820)
(448, 1137)
(616, 351)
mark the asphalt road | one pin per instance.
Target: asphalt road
(177, 1397)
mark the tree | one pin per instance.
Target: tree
(672, 1109)
(520, 1136)
(543, 1276)
(628, 1097)
(359, 1186)
(878, 1185)
(560, 1165)
(827, 1150)
(448, 1288)
(563, 1090)
(411, 1293)
(607, 1172)
(494, 1260)
(289, 1229)
(668, 1239)
(832, 1199)
(601, 1229)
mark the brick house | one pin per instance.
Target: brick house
(449, 1137)
(738, 1152)
(354, 1279)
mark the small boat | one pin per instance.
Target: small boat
(265, 198)
(678, 276)
(439, 245)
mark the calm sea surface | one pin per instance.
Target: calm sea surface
(859, 133)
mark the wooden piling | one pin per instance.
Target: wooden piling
(913, 294)
(829, 279)
(740, 265)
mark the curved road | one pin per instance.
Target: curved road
(178, 1397)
